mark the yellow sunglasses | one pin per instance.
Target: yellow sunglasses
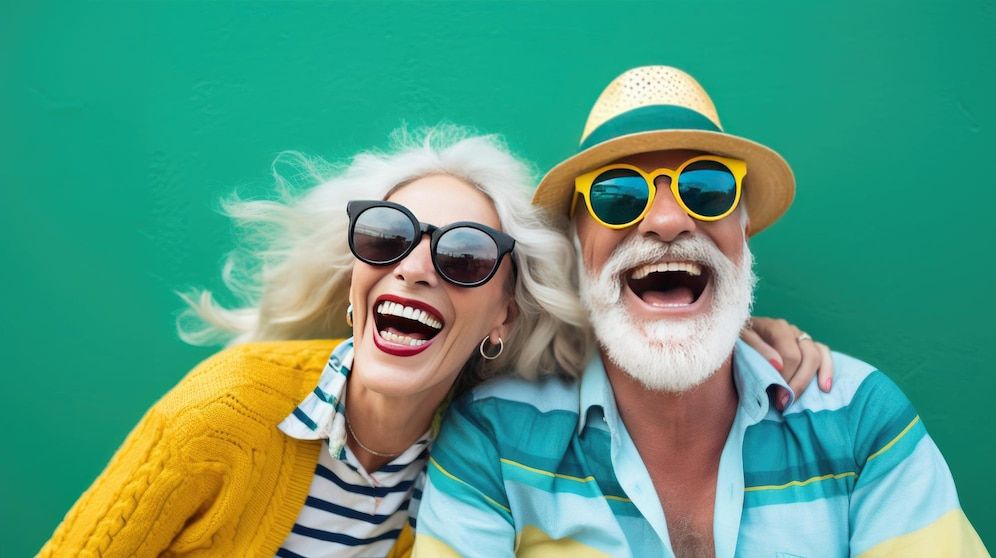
(707, 187)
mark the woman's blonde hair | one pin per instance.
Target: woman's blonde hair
(292, 272)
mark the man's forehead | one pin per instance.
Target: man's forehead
(663, 159)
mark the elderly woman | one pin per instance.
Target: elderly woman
(435, 262)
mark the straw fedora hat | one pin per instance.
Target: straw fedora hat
(653, 108)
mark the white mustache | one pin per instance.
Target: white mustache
(639, 250)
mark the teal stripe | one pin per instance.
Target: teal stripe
(813, 489)
(465, 490)
(804, 445)
(303, 417)
(326, 397)
(879, 411)
(479, 478)
(623, 509)
(330, 399)
(595, 456)
(647, 119)
(525, 428)
(808, 446)
(551, 481)
(527, 436)
(468, 433)
(548, 483)
(883, 463)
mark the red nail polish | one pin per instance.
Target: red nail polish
(828, 384)
(776, 364)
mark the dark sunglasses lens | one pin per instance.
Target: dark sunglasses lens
(466, 255)
(619, 196)
(381, 234)
(707, 188)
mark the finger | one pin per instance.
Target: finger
(825, 374)
(767, 351)
(782, 336)
(811, 360)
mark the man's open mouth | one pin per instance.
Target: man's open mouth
(669, 284)
(406, 322)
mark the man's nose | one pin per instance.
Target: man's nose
(666, 219)
(416, 267)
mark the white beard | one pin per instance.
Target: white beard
(672, 355)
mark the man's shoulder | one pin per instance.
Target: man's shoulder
(856, 383)
(864, 414)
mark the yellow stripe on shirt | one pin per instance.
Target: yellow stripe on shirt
(951, 536)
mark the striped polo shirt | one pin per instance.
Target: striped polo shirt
(349, 511)
(549, 468)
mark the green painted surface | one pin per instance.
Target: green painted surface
(121, 125)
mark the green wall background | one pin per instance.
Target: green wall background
(122, 124)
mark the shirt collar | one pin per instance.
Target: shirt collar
(596, 392)
(752, 375)
(322, 414)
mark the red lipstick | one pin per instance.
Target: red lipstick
(400, 349)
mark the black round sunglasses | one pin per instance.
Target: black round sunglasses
(464, 253)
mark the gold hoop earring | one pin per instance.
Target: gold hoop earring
(501, 347)
(349, 315)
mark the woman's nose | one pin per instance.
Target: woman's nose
(416, 267)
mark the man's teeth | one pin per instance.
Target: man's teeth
(402, 339)
(395, 309)
(688, 267)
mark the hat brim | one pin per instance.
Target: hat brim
(769, 185)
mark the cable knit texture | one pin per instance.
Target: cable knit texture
(206, 472)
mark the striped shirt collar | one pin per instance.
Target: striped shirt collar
(752, 375)
(322, 414)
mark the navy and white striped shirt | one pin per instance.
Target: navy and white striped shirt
(349, 511)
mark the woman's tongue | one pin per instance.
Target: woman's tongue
(678, 296)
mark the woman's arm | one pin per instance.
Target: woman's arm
(142, 501)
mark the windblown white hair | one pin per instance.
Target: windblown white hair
(293, 271)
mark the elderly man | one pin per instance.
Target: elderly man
(669, 444)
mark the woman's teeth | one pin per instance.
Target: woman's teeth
(395, 309)
(402, 339)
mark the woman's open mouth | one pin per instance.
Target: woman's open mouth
(404, 327)
(669, 284)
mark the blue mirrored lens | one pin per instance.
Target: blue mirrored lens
(619, 196)
(707, 188)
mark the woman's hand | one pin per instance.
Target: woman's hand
(794, 354)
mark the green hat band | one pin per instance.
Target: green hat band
(650, 118)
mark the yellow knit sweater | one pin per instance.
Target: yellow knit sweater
(206, 472)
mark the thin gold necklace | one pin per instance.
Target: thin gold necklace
(366, 449)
